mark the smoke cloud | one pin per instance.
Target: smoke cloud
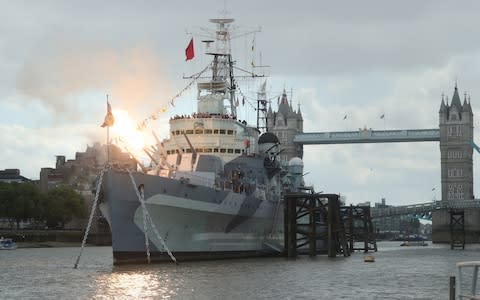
(62, 76)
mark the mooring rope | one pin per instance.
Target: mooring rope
(149, 218)
(145, 229)
(90, 219)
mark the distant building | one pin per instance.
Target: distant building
(389, 224)
(285, 124)
(81, 172)
(12, 175)
(382, 204)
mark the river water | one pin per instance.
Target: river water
(397, 273)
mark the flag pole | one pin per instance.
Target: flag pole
(108, 141)
(108, 145)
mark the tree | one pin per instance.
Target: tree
(7, 201)
(19, 201)
(26, 195)
(61, 204)
(24, 201)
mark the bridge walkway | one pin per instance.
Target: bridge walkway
(423, 208)
(368, 136)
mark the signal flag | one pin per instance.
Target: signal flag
(109, 119)
(189, 52)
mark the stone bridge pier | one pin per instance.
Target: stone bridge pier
(441, 232)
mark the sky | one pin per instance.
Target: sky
(59, 60)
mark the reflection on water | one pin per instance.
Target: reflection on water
(134, 284)
(398, 273)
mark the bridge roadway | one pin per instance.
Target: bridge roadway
(423, 208)
(368, 136)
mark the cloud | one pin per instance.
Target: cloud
(362, 59)
(30, 149)
(402, 173)
(359, 37)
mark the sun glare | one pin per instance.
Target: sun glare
(124, 130)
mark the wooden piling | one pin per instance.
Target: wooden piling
(291, 232)
(452, 288)
(359, 228)
(313, 225)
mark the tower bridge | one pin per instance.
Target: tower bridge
(454, 134)
(424, 208)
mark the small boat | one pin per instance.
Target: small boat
(7, 244)
(413, 243)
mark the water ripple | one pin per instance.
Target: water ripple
(398, 273)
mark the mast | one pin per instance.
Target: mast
(223, 63)
(233, 88)
(262, 108)
(222, 85)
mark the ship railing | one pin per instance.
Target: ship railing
(238, 187)
(195, 179)
(202, 115)
(459, 283)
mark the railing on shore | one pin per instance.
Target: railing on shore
(68, 236)
(456, 283)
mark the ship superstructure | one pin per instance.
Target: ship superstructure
(213, 129)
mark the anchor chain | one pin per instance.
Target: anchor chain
(90, 219)
(145, 228)
(149, 218)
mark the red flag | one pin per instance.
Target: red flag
(189, 53)
(109, 120)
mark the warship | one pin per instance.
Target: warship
(215, 185)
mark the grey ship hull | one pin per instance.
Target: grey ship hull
(196, 222)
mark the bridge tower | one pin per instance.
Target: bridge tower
(285, 124)
(456, 135)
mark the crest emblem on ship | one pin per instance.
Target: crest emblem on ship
(216, 183)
